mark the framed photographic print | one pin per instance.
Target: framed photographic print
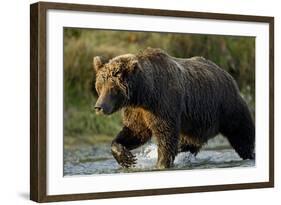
(134, 102)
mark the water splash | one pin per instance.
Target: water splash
(98, 160)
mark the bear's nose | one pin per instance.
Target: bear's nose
(98, 108)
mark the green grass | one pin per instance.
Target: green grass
(83, 126)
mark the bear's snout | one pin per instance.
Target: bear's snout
(102, 108)
(98, 109)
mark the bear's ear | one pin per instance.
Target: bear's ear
(98, 62)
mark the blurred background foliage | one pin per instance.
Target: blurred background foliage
(234, 54)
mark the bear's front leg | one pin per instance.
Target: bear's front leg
(122, 155)
(127, 140)
(167, 138)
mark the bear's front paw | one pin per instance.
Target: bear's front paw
(123, 156)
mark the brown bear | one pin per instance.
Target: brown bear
(181, 102)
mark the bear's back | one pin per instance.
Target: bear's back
(195, 73)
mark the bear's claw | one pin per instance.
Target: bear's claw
(128, 160)
(123, 156)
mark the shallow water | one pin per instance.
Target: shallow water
(98, 160)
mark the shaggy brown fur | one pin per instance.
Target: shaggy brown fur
(182, 102)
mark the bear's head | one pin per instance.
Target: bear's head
(113, 82)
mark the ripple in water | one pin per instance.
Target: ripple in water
(98, 160)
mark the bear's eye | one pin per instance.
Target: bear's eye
(116, 73)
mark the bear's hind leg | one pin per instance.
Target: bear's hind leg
(239, 129)
(242, 144)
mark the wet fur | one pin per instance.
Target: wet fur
(182, 102)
